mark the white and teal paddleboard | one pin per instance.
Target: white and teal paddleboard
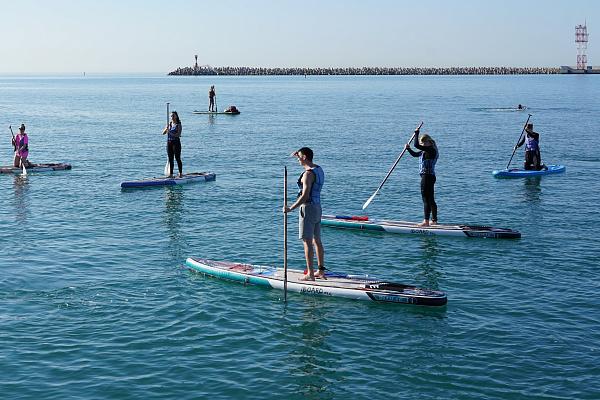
(336, 285)
(523, 173)
(166, 181)
(390, 226)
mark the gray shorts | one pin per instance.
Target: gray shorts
(309, 222)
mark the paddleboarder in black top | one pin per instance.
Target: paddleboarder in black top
(211, 98)
(173, 131)
(428, 156)
(533, 156)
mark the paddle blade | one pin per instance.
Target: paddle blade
(167, 169)
(370, 200)
(24, 170)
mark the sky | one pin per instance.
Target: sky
(150, 36)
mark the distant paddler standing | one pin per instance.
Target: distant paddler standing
(428, 156)
(212, 94)
(310, 184)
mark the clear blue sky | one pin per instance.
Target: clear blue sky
(104, 36)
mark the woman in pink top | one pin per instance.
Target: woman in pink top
(21, 148)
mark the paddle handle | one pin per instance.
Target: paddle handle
(515, 148)
(391, 169)
(285, 226)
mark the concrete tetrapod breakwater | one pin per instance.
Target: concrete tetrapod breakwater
(207, 70)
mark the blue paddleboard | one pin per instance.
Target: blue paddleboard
(522, 173)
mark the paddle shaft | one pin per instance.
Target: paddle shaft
(14, 142)
(285, 224)
(167, 170)
(391, 169)
(515, 149)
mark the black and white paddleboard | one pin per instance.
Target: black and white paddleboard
(390, 226)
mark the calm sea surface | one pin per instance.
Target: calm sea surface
(95, 302)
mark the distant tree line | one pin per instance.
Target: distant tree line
(207, 70)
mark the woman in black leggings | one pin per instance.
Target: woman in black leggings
(428, 156)
(174, 143)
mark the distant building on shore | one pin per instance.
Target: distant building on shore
(565, 69)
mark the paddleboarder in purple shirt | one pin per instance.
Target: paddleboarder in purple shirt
(533, 156)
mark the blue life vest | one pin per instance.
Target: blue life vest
(315, 191)
(531, 144)
(427, 165)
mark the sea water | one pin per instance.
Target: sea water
(96, 301)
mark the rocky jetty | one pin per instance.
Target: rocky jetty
(231, 71)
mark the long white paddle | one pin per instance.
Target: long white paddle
(391, 170)
(167, 165)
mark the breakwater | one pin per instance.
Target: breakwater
(207, 70)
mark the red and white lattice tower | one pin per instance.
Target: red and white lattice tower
(581, 39)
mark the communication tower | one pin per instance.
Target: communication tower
(581, 39)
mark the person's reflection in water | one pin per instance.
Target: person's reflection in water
(532, 189)
(172, 219)
(430, 251)
(21, 186)
(211, 119)
(311, 359)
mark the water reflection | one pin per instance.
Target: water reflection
(532, 189)
(211, 119)
(430, 250)
(21, 187)
(173, 220)
(309, 360)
